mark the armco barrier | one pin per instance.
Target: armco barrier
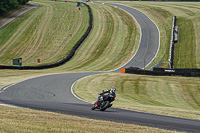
(63, 61)
(171, 51)
(164, 72)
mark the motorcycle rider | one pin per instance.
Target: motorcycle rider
(111, 92)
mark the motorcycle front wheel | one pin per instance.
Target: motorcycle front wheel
(105, 106)
(93, 107)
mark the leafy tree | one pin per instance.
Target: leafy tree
(12, 4)
(24, 2)
(3, 6)
(20, 2)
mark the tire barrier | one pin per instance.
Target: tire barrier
(180, 71)
(62, 61)
(163, 72)
(171, 51)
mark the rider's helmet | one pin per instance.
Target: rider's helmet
(112, 90)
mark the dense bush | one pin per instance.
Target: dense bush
(6, 5)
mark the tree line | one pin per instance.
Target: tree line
(6, 5)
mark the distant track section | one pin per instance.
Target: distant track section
(149, 41)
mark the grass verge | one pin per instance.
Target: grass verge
(26, 120)
(185, 58)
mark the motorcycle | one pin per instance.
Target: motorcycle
(103, 102)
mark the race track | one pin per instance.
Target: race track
(53, 92)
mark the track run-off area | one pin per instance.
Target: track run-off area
(40, 93)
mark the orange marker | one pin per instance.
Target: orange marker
(123, 70)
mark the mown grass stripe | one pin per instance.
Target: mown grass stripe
(105, 39)
(15, 36)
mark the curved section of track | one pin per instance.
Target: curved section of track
(149, 41)
(53, 92)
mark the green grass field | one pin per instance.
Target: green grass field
(176, 96)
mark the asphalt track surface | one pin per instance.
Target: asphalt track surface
(53, 92)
